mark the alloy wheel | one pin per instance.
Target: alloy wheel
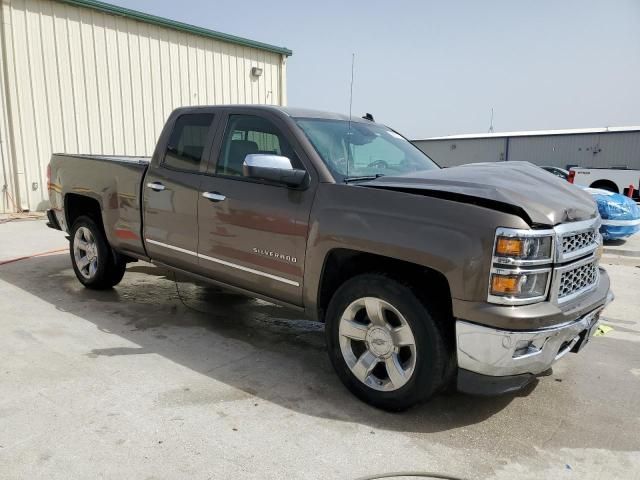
(377, 344)
(85, 252)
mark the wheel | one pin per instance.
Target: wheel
(384, 343)
(95, 265)
(605, 185)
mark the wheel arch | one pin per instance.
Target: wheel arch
(76, 205)
(341, 264)
(605, 184)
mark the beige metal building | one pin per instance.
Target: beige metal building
(82, 76)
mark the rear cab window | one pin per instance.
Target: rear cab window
(187, 143)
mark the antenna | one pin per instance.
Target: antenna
(491, 122)
(353, 62)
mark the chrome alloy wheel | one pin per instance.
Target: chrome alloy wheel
(85, 252)
(377, 344)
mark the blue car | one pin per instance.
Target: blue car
(620, 214)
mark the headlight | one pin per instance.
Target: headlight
(522, 285)
(527, 248)
(521, 266)
(519, 248)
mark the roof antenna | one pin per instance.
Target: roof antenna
(491, 122)
(353, 61)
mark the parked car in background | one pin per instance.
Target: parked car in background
(616, 180)
(620, 214)
(557, 171)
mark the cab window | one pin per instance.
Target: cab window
(187, 142)
(248, 134)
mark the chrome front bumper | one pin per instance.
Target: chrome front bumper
(497, 353)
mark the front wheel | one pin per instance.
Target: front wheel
(384, 343)
(95, 265)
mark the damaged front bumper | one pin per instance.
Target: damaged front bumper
(494, 361)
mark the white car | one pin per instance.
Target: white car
(616, 180)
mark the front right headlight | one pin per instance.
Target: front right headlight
(518, 247)
(524, 248)
(521, 266)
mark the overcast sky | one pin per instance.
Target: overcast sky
(432, 68)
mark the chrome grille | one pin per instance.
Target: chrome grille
(575, 242)
(576, 280)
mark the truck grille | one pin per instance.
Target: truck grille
(577, 280)
(578, 241)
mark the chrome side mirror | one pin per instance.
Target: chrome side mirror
(273, 168)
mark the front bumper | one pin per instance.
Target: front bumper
(517, 355)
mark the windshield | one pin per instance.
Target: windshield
(363, 150)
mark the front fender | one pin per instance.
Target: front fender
(452, 238)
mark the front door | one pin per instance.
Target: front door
(253, 234)
(171, 192)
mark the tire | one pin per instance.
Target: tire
(403, 375)
(605, 185)
(96, 266)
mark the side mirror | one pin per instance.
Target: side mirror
(273, 168)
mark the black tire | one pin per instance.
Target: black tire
(109, 267)
(605, 185)
(432, 356)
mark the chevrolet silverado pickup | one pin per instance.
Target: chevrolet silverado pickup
(478, 277)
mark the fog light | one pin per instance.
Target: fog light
(522, 348)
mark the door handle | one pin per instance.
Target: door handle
(156, 186)
(214, 196)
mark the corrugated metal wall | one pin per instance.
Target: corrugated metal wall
(614, 149)
(449, 153)
(78, 80)
(610, 149)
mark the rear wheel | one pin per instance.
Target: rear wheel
(94, 263)
(605, 185)
(384, 343)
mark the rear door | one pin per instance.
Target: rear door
(171, 190)
(253, 234)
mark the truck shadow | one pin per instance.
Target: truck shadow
(261, 349)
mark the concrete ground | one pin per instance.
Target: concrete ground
(24, 236)
(628, 247)
(139, 382)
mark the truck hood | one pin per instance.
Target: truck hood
(517, 187)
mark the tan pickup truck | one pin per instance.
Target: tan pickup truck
(478, 276)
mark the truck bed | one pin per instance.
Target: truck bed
(111, 158)
(114, 182)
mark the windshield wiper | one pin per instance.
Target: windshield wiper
(362, 178)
